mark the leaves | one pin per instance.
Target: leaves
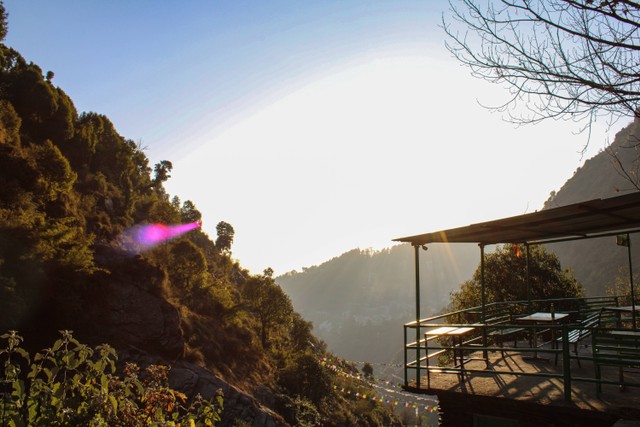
(72, 384)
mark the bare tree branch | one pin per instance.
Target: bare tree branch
(572, 59)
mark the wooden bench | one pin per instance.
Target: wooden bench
(589, 317)
(615, 347)
(500, 325)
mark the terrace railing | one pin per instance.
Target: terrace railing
(451, 337)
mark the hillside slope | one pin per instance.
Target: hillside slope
(597, 262)
(359, 301)
(74, 197)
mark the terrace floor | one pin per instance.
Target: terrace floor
(613, 401)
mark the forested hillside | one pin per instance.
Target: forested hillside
(597, 262)
(359, 301)
(71, 191)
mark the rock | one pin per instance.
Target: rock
(238, 405)
(128, 311)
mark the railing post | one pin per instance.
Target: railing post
(633, 296)
(406, 370)
(483, 296)
(566, 363)
(529, 307)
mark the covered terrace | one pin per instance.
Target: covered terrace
(566, 327)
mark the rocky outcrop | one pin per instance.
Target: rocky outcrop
(192, 379)
(129, 311)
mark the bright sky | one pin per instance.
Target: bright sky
(312, 127)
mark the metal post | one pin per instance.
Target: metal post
(529, 307)
(417, 261)
(633, 297)
(482, 282)
(566, 363)
(485, 353)
(406, 373)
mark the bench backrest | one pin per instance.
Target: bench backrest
(587, 307)
(618, 347)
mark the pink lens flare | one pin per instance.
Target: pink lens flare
(143, 237)
(153, 234)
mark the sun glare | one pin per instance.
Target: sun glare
(379, 150)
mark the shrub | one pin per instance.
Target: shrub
(73, 384)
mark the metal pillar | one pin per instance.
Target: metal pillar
(417, 261)
(482, 282)
(483, 294)
(633, 296)
(529, 308)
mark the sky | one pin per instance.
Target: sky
(312, 127)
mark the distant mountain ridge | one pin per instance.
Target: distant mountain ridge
(359, 301)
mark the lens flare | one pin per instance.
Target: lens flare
(141, 238)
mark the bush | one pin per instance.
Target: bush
(304, 377)
(72, 384)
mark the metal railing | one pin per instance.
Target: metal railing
(428, 350)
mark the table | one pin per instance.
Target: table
(456, 334)
(542, 317)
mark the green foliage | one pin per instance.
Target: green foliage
(621, 287)
(189, 213)
(9, 124)
(56, 176)
(269, 303)
(506, 278)
(300, 334)
(225, 236)
(187, 265)
(300, 412)
(72, 384)
(306, 378)
(367, 370)
(4, 26)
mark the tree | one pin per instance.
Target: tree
(4, 25)
(269, 303)
(367, 370)
(187, 266)
(573, 59)
(189, 213)
(225, 236)
(305, 377)
(161, 172)
(9, 124)
(57, 177)
(506, 278)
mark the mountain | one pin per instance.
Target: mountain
(80, 208)
(596, 263)
(359, 301)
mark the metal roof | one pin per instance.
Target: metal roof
(593, 218)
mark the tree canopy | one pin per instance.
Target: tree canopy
(506, 278)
